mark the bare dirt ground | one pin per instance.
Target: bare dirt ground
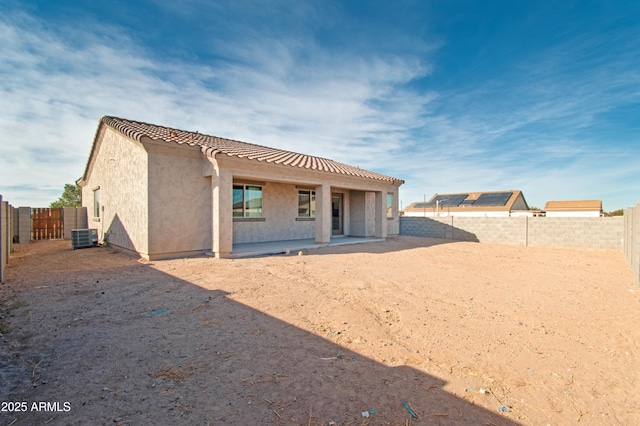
(462, 333)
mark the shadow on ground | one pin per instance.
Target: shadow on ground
(129, 345)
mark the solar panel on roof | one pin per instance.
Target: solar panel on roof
(493, 199)
(455, 200)
(443, 201)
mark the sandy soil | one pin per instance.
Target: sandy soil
(462, 333)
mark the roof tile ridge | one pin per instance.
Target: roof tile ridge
(211, 145)
(278, 158)
(296, 160)
(308, 161)
(180, 132)
(327, 166)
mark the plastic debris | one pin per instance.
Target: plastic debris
(161, 311)
(503, 409)
(482, 391)
(372, 411)
(413, 413)
(365, 414)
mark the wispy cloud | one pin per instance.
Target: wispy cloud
(533, 128)
(57, 89)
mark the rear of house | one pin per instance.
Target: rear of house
(163, 192)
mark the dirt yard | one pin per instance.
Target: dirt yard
(409, 331)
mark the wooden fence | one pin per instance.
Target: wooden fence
(24, 224)
(46, 223)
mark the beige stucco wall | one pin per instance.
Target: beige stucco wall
(119, 169)
(280, 188)
(179, 201)
(280, 210)
(362, 218)
(358, 214)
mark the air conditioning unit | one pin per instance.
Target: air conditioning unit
(83, 238)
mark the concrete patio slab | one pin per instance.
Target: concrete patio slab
(292, 246)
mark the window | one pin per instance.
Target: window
(390, 205)
(247, 201)
(96, 202)
(306, 203)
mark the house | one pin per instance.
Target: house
(163, 192)
(493, 203)
(574, 208)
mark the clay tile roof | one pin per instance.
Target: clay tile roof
(573, 205)
(212, 145)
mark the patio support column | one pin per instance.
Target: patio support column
(222, 217)
(323, 214)
(381, 215)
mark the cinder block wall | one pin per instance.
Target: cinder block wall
(635, 257)
(4, 236)
(507, 230)
(7, 233)
(24, 225)
(15, 223)
(436, 227)
(69, 221)
(632, 239)
(595, 233)
(74, 218)
(591, 233)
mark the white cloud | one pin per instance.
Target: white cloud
(57, 87)
(537, 127)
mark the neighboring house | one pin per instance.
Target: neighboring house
(574, 208)
(495, 203)
(163, 193)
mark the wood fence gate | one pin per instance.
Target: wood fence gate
(46, 223)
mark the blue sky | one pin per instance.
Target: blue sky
(451, 96)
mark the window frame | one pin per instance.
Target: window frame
(247, 190)
(311, 203)
(390, 205)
